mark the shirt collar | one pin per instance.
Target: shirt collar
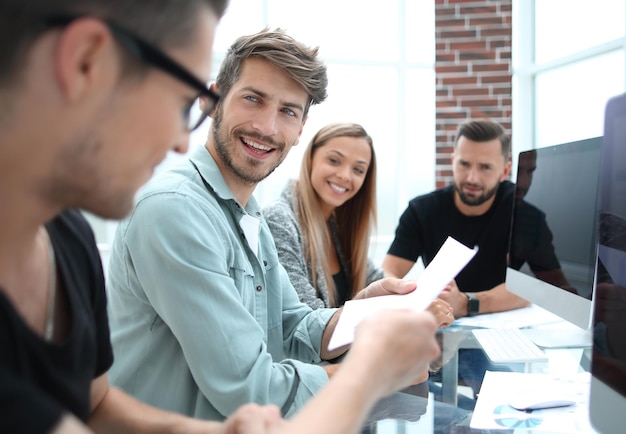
(209, 170)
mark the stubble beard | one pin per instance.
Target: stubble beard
(249, 174)
(475, 200)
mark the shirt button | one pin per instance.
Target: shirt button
(259, 288)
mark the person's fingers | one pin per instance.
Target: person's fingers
(253, 419)
(390, 285)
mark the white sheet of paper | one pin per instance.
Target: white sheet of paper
(444, 267)
(493, 412)
(532, 315)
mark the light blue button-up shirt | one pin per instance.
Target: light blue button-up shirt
(199, 323)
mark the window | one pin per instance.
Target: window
(569, 59)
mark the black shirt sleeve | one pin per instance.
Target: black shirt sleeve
(24, 408)
(407, 243)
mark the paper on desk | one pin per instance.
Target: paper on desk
(493, 412)
(444, 267)
(532, 315)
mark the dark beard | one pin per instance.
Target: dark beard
(476, 201)
(221, 146)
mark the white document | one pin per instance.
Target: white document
(444, 267)
(493, 412)
(529, 316)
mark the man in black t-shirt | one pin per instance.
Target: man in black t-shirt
(475, 210)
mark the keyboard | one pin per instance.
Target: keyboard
(508, 345)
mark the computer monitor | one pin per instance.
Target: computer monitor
(552, 251)
(607, 400)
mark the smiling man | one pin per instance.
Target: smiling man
(198, 299)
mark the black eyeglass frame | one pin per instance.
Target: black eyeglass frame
(153, 56)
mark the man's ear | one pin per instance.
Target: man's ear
(85, 58)
(507, 171)
(203, 100)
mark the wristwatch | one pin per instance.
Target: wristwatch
(473, 304)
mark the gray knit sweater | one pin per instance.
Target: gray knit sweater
(283, 223)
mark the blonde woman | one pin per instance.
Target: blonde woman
(322, 222)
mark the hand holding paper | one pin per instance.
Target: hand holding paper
(448, 262)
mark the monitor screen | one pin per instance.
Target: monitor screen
(608, 366)
(552, 252)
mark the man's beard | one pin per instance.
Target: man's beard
(221, 146)
(475, 200)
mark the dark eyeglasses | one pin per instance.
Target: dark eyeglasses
(148, 53)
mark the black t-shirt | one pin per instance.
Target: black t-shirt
(40, 381)
(430, 219)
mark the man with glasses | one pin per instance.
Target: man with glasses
(197, 295)
(83, 123)
(88, 109)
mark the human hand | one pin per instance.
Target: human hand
(387, 286)
(455, 298)
(253, 419)
(442, 311)
(393, 349)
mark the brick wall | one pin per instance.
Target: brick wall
(473, 70)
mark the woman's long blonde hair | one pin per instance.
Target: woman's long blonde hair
(356, 219)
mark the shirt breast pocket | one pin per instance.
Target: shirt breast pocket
(243, 277)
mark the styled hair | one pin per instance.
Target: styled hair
(483, 130)
(355, 219)
(274, 46)
(164, 23)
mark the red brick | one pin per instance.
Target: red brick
(441, 11)
(472, 90)
(504, 89)
(474, 55)
(458, 79)
(486, 21)
(446, 57)
(452, 115)
(446, 34)
(505, 78)
(484, 9)
(483, 102)
(491, 67)
(445, 21)
(455, 69)
(487, 32)
(493, 43)
(463, 46)
(449, 103)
